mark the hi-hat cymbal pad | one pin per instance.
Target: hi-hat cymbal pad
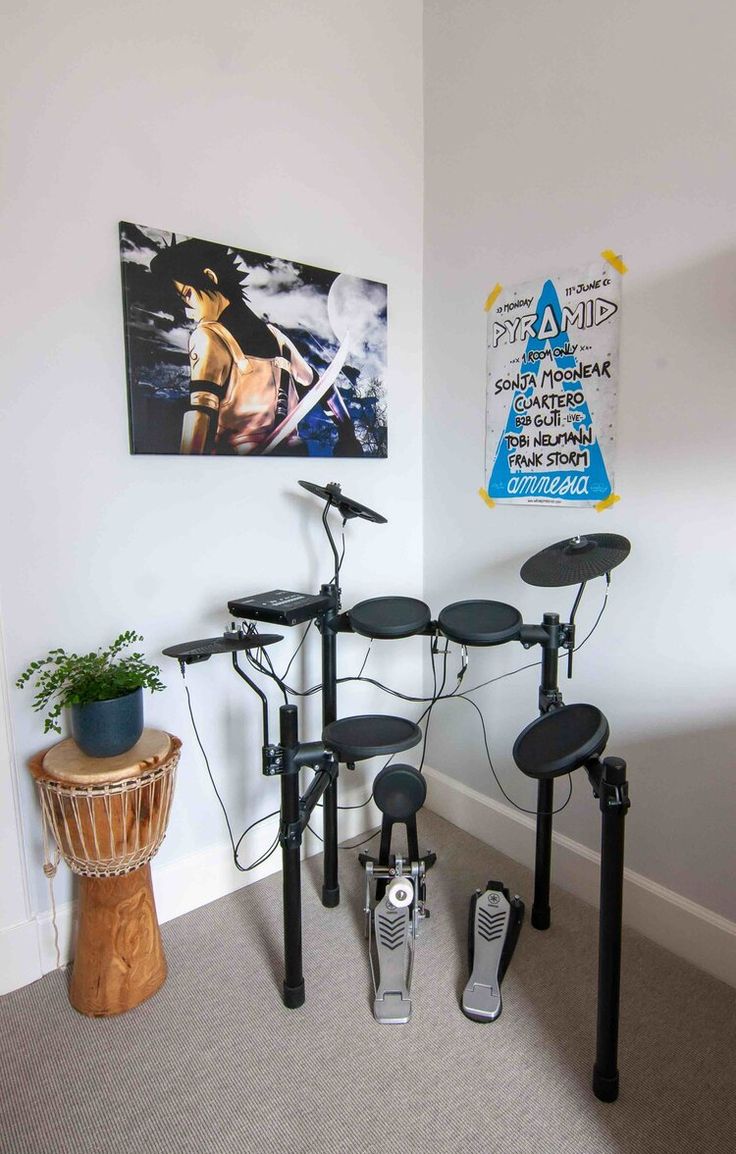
(192, 651)
(575, 560)
(334, 495)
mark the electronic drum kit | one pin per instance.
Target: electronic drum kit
(562, 739)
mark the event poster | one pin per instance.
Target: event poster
(237, 353)
(551, 391)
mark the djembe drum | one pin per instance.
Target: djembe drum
(108, 817)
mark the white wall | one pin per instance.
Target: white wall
(553, 131)
(288, 128)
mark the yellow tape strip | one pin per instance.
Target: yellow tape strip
(609, 255)
(492, 296)
(609, 501)
(488, 500)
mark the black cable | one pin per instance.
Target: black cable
(595, 623)
(435, 696)
(235, 848)
(361, 805)
(510, 800)
(291, 660)
(358, 844)
(365, 659)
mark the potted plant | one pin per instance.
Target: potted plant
(103, 689)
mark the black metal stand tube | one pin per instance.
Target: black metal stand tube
(540, 915)
(548, 693)
(290, 853)
(330, 888)
(614, 804)
(316, 790)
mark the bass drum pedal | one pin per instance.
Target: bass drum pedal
(392, 926)
(395, 894)
(494, 926)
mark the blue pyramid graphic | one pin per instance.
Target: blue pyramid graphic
(598, 484)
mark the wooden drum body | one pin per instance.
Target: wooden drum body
(108, 817)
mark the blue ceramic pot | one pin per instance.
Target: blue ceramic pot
(106, 728)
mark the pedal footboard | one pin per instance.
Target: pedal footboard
(493, 931)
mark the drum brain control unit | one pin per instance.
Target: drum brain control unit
(279, 607)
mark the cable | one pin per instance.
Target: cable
(510, 800)
(365, 659)
(435, 695)
(595, 623)
(264, 857)
(358, 844)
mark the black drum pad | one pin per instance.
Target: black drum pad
(480, 622)
(561, 741)
(389, 617)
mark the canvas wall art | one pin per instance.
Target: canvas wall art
(232, 352)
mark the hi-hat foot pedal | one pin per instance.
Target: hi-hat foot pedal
(493, 931)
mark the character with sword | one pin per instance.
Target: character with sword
(250, 386)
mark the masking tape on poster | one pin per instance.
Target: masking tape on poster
(492, 296)
(614, 260)
(607, 503)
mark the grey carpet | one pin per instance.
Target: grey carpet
(214, 1062)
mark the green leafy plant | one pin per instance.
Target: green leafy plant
(63, 679)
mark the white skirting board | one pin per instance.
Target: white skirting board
(29, 950)
(694, 933)
(704, 938)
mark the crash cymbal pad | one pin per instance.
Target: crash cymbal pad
(576, 559)
(345, 505)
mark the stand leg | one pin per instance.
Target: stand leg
(292, 891)
(119, 959)
(549, 697)
(614, 804)
(291, 859)
(540, 916)
(330, 887)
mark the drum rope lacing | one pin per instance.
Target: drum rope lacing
(107, 849)
(49, 868)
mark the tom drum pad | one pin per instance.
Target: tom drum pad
(480, 622)
(389, 617)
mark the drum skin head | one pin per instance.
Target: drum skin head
(399, 791)
(480, 622)
(370, 735)
(561, 741)
(389, 618)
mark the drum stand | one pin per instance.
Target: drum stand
(551, 635)
(286, 760)
(347, 740)
(561, 740)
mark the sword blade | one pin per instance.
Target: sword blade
(309, 400)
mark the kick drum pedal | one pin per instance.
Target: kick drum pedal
(392, 925)
(395, 894)
(493, 931)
